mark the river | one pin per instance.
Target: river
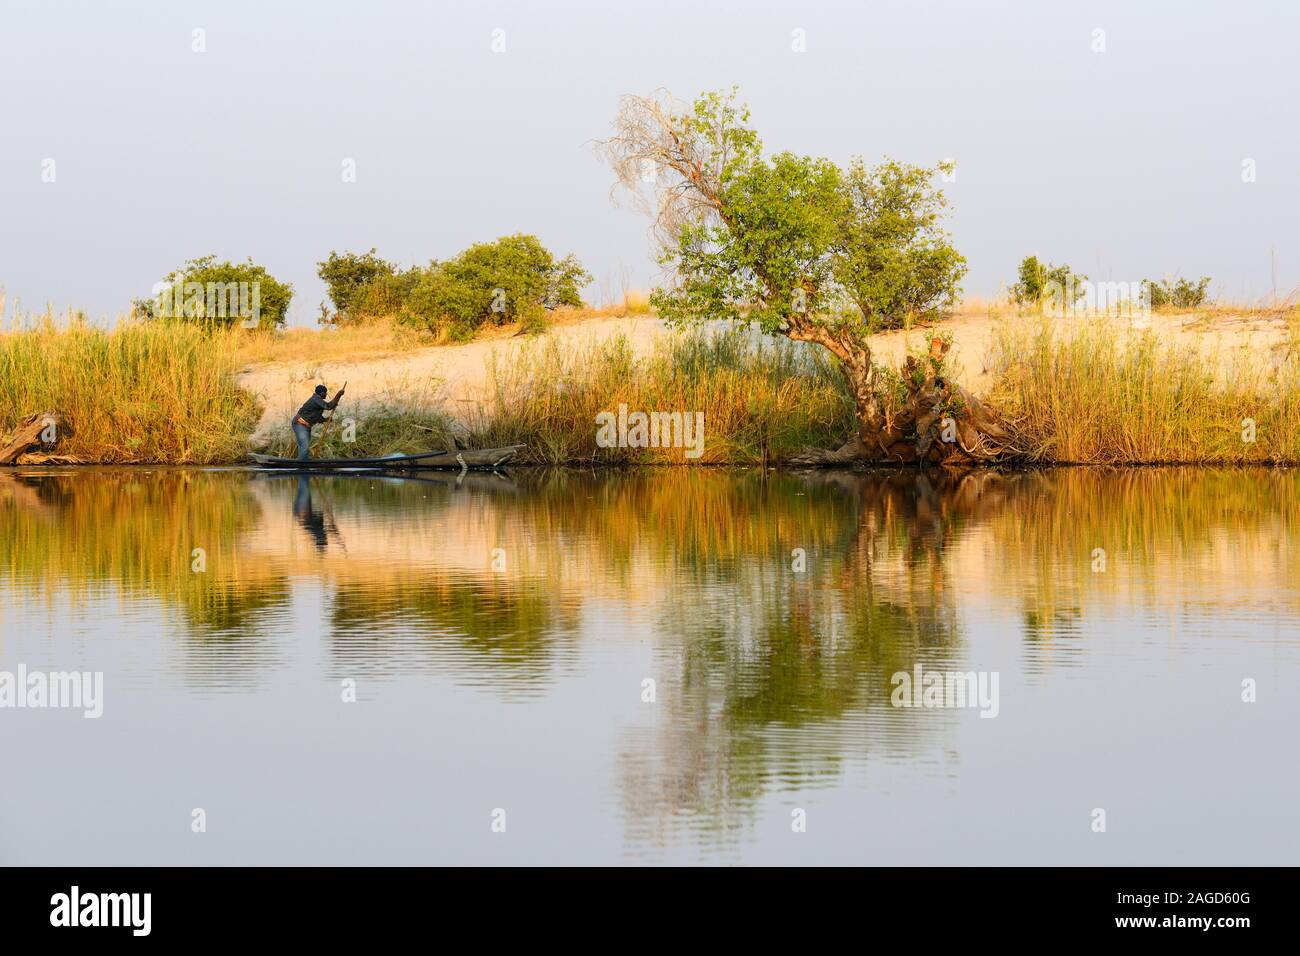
(655, 666)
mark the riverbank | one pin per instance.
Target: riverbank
(1212, 386)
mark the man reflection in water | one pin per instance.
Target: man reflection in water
(310, 518)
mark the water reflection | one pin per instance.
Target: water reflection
(773, 608)
(312, 518)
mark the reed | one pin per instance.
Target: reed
(141, 392)
(761, 400)
(1096, 392)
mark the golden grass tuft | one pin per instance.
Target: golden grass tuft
(1094, 392)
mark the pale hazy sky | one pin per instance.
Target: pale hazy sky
(1125, 163)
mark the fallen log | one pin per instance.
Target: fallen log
(42, 430)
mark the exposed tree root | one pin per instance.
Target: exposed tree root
(940, 423)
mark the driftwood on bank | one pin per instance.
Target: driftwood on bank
(35, 432)
(939, 423)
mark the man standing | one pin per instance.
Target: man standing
(313, 413)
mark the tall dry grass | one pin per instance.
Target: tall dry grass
(156, 392)
(761, 400)
(1096, 392)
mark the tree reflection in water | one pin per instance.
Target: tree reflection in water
(766, 677)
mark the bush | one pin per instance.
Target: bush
(1178, 295)
(514, 279)
(564, 283)
(385, 295)
(1039, 281)
(222, 293)
(346, 274)
(508, 280)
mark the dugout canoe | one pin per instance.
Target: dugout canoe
(455, 460)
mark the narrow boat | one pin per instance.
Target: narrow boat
(455, 460)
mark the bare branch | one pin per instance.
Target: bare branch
(669, 168)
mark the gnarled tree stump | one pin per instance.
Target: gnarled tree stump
(940, 423)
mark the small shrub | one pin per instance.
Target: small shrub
(494, 282)
(1162, 294)
(1039, 281)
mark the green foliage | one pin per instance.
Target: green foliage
(438, 302)
(384, 295)
(494, 282)
(564, 282)
(1162, 294)
(894, 260)
(795, 238)
(346, 274)
(1032, 278)
(227, 293)
(514, 278)
(718, 127)
(771, 253)
(1039, 281)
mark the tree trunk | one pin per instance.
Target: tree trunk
(939, 423)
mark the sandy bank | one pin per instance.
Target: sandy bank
(456, 377)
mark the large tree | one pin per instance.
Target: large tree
(803, 249)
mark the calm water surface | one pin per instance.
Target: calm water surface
(500, 633)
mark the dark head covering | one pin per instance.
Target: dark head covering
(320, 390)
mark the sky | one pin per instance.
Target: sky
(1129, 139)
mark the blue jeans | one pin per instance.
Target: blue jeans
(303, 434)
